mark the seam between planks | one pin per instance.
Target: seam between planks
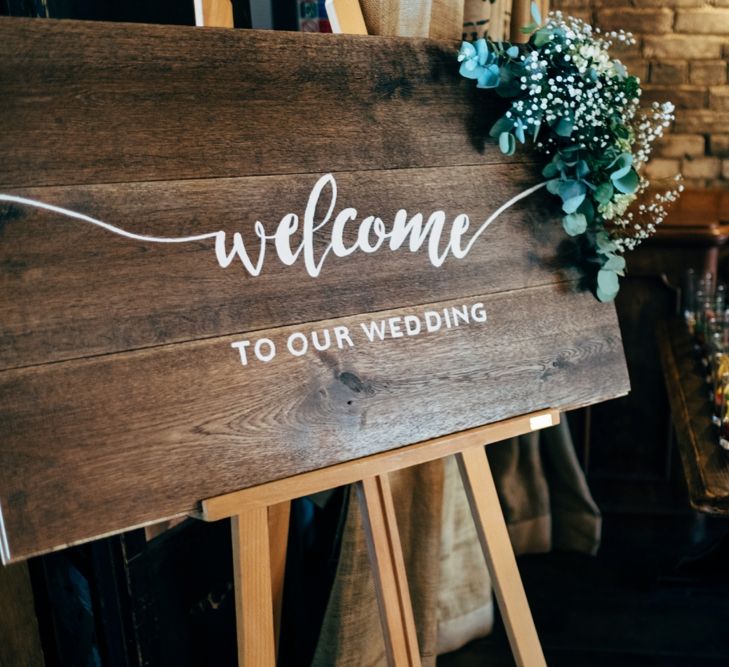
(185, 179)
(250, 332)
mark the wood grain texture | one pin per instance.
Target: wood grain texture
(69, 289)
(187, 421)
(253, 602)
(214, 13)
(379, 522)
(494, 537)
(705, 463)
(279, 516)
(349, 472)
(105, 103)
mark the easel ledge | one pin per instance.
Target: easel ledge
(260, 520)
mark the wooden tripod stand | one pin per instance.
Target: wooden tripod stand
(260, 526)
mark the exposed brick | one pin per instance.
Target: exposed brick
(701, 167)
(681, 145)
(700, 121)
(565, 5)
(584, 14)
(708, 72)
(719, 145)
(658, 169)
(669, 72)
(704, 21)
(621, 50)
(683, 97)
(637, 67)
(682, 46)
(695, 183)
(652, 21)
(719, 100)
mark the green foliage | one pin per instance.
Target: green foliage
(574, 224)
(576, 104)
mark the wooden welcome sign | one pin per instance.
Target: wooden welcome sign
(230, 257)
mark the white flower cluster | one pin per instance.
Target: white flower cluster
(573, 77)
(650, 126)
(635, 229)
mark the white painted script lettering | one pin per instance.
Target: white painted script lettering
(371, 234)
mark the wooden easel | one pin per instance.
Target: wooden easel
(260, 527)
(260, 514)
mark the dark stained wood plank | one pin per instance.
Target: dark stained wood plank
(69, 289)
(101, 444)
(96, 103)
(705, 463)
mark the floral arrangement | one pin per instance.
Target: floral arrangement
(581, 109)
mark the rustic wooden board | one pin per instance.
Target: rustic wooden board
(89, 444)
(122, 401)
(135, 298)
(210, 103)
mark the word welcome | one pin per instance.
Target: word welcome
(411, 231)
(341, 337)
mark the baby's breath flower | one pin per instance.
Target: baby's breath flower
(581, 108)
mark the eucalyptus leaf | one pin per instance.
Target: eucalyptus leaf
(574, 223)
(550, 171)
(512, 51)
(536, 14)
(571, 188)
(605, 244)
(528, 29)
(607, 281)
(604, 297)
(604, 193)
(504, 124)
(564, 126)
(623, 164)
(542, 37)
(587, 209)
(572, 204)
(488, 77)
(583, 169)
(628, 183)
(507, 143)
(553, 186)
(615, 263)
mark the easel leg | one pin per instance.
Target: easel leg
(253, 602)
(278, 537)
(388, 568)
(494, 538)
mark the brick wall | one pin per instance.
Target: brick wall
(681, 55)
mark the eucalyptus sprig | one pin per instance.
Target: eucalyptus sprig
(580, 108)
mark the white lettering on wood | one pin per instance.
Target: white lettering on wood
(372, 233)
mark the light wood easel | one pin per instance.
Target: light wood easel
(260, 515)
(260, 528)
